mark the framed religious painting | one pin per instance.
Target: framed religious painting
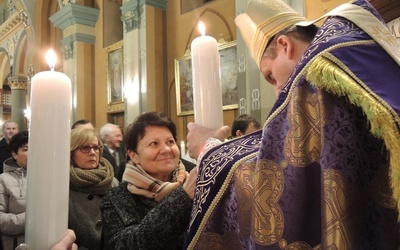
(229, 78)
(115, 73)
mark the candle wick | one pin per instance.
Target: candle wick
(52, 68)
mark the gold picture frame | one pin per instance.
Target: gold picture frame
(229, 78)
(115, 73)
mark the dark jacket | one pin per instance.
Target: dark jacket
(131, 221)
(85, 218)
(5, 153)
(122, 157)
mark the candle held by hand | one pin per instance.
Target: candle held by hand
(207, 89)
(183, 149)
(49, 158)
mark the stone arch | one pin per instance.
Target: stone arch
(20, 58)
(4, 66)
(46, 36)
(210, 18)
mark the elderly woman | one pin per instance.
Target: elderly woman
(13, 183)
(91, 177)
(151, 208)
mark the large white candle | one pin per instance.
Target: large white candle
(207, 91)
(49, 158)
(183, 149)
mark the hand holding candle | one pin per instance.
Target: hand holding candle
(206, 81)
(49, 158)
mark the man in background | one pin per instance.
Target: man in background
(10, 128)
(114, 149)
(244, 124)
(82, 124)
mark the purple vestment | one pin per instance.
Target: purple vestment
(318, 175)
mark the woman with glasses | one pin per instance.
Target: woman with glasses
(91, 177)
(151, 208)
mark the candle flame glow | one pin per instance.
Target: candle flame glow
(202, 28)
(51, 58)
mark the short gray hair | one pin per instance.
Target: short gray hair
(6, 122)
(106, 130)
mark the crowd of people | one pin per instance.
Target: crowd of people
(323, 171)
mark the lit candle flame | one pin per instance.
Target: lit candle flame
(51, 58)
(202, 28)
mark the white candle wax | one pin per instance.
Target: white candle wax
(49, 159)
(207, 90)
(183, 149)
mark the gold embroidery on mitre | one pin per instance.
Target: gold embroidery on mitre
(258, 192)
(303, 142)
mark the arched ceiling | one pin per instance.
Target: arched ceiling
(388, 9)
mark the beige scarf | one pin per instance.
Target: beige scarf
(141, 183)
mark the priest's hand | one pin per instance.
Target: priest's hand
(198, 135)
(190, 184)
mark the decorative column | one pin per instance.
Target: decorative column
(144, 39)
(1, 104)
(249, 93)
(257, 96)
(18, 85)
(77, 23)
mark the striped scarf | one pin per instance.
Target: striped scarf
(141, 183)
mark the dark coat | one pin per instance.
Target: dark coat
(122, 157)
(5, 153)
(85, 218)
(132, 221)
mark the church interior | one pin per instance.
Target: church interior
(126, 57)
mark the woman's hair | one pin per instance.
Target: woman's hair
(242, 122)
(135, 131)
(305, 34)
(18, 141)
(84, 136)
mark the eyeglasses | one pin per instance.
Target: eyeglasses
(86, 149)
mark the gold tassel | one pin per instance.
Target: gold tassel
(326, 75)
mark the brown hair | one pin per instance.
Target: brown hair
(242, 122)
(305, 34)
(135, 131)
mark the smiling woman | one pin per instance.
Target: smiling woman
(91, 176)
(150, 209)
